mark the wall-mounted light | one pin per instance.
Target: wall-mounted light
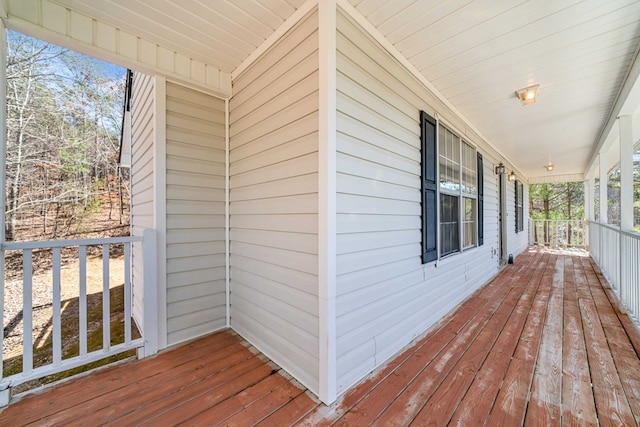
(499, 169)
(528, 95)
(511, 176)
(548, 167)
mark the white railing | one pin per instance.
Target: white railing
(617, 253)
(85, 355)
(558, 233)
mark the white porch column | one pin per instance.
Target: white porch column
(5, 391)
(588, 197)
(327, 11)
(604, 178)
(626, 172)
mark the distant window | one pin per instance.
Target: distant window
(519, 189)
(457, 185)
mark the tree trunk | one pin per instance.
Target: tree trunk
(545, 208)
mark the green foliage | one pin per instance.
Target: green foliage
(556, 201)
(74, 159)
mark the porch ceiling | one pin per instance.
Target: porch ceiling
(476, 53)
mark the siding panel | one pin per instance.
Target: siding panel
(195, 213)
(274, 203)
(142, 209)
(386, 296)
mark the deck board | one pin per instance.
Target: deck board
(543, 343)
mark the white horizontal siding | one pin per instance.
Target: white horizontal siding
(386, 296)
(195, 182)
(142, 206)
(274, 203)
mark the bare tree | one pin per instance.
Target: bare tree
(63, 125)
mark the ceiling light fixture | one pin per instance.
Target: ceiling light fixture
(528, 95)
(548, 167)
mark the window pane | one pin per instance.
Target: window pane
(469, 184)
(469, 223)
(449, 235)
(449, 145)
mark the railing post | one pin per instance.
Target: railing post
(531, 238)
(600, 244)
(150, 303)
(5, 386)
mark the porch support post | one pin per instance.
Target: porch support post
(626, 172)
(158, 329)
(327, 200)
(5, 387)
(227, 201)
(588, 198)
(603, 188)
(149, 261)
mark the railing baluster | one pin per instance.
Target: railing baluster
(27, 311)
(2, 255)
(635, 278)
(558, 233)
(82, 255)
(106, 311)
(56, 303)
(127, 293)
(60, 363)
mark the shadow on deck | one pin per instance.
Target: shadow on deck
(543, 343)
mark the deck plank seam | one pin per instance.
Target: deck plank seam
(490, 288)
(508, 278)
(614, 305)
(537, 283)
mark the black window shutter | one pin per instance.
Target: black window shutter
(517, 210)
(480, 175)
(521, 206)
(429, 188)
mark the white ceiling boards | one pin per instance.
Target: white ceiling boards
(476, 53)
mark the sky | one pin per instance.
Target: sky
(110, 70)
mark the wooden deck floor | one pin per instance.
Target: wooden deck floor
(542, 344)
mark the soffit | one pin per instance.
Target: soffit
(221, 32)
(476, 53)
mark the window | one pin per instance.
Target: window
(519, 206)
(456, 183)
(480, 181)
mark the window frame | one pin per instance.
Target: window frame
(431, 131)
(519, 206)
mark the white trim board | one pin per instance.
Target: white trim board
(160, 202)
(227, 228)
(327, 258)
